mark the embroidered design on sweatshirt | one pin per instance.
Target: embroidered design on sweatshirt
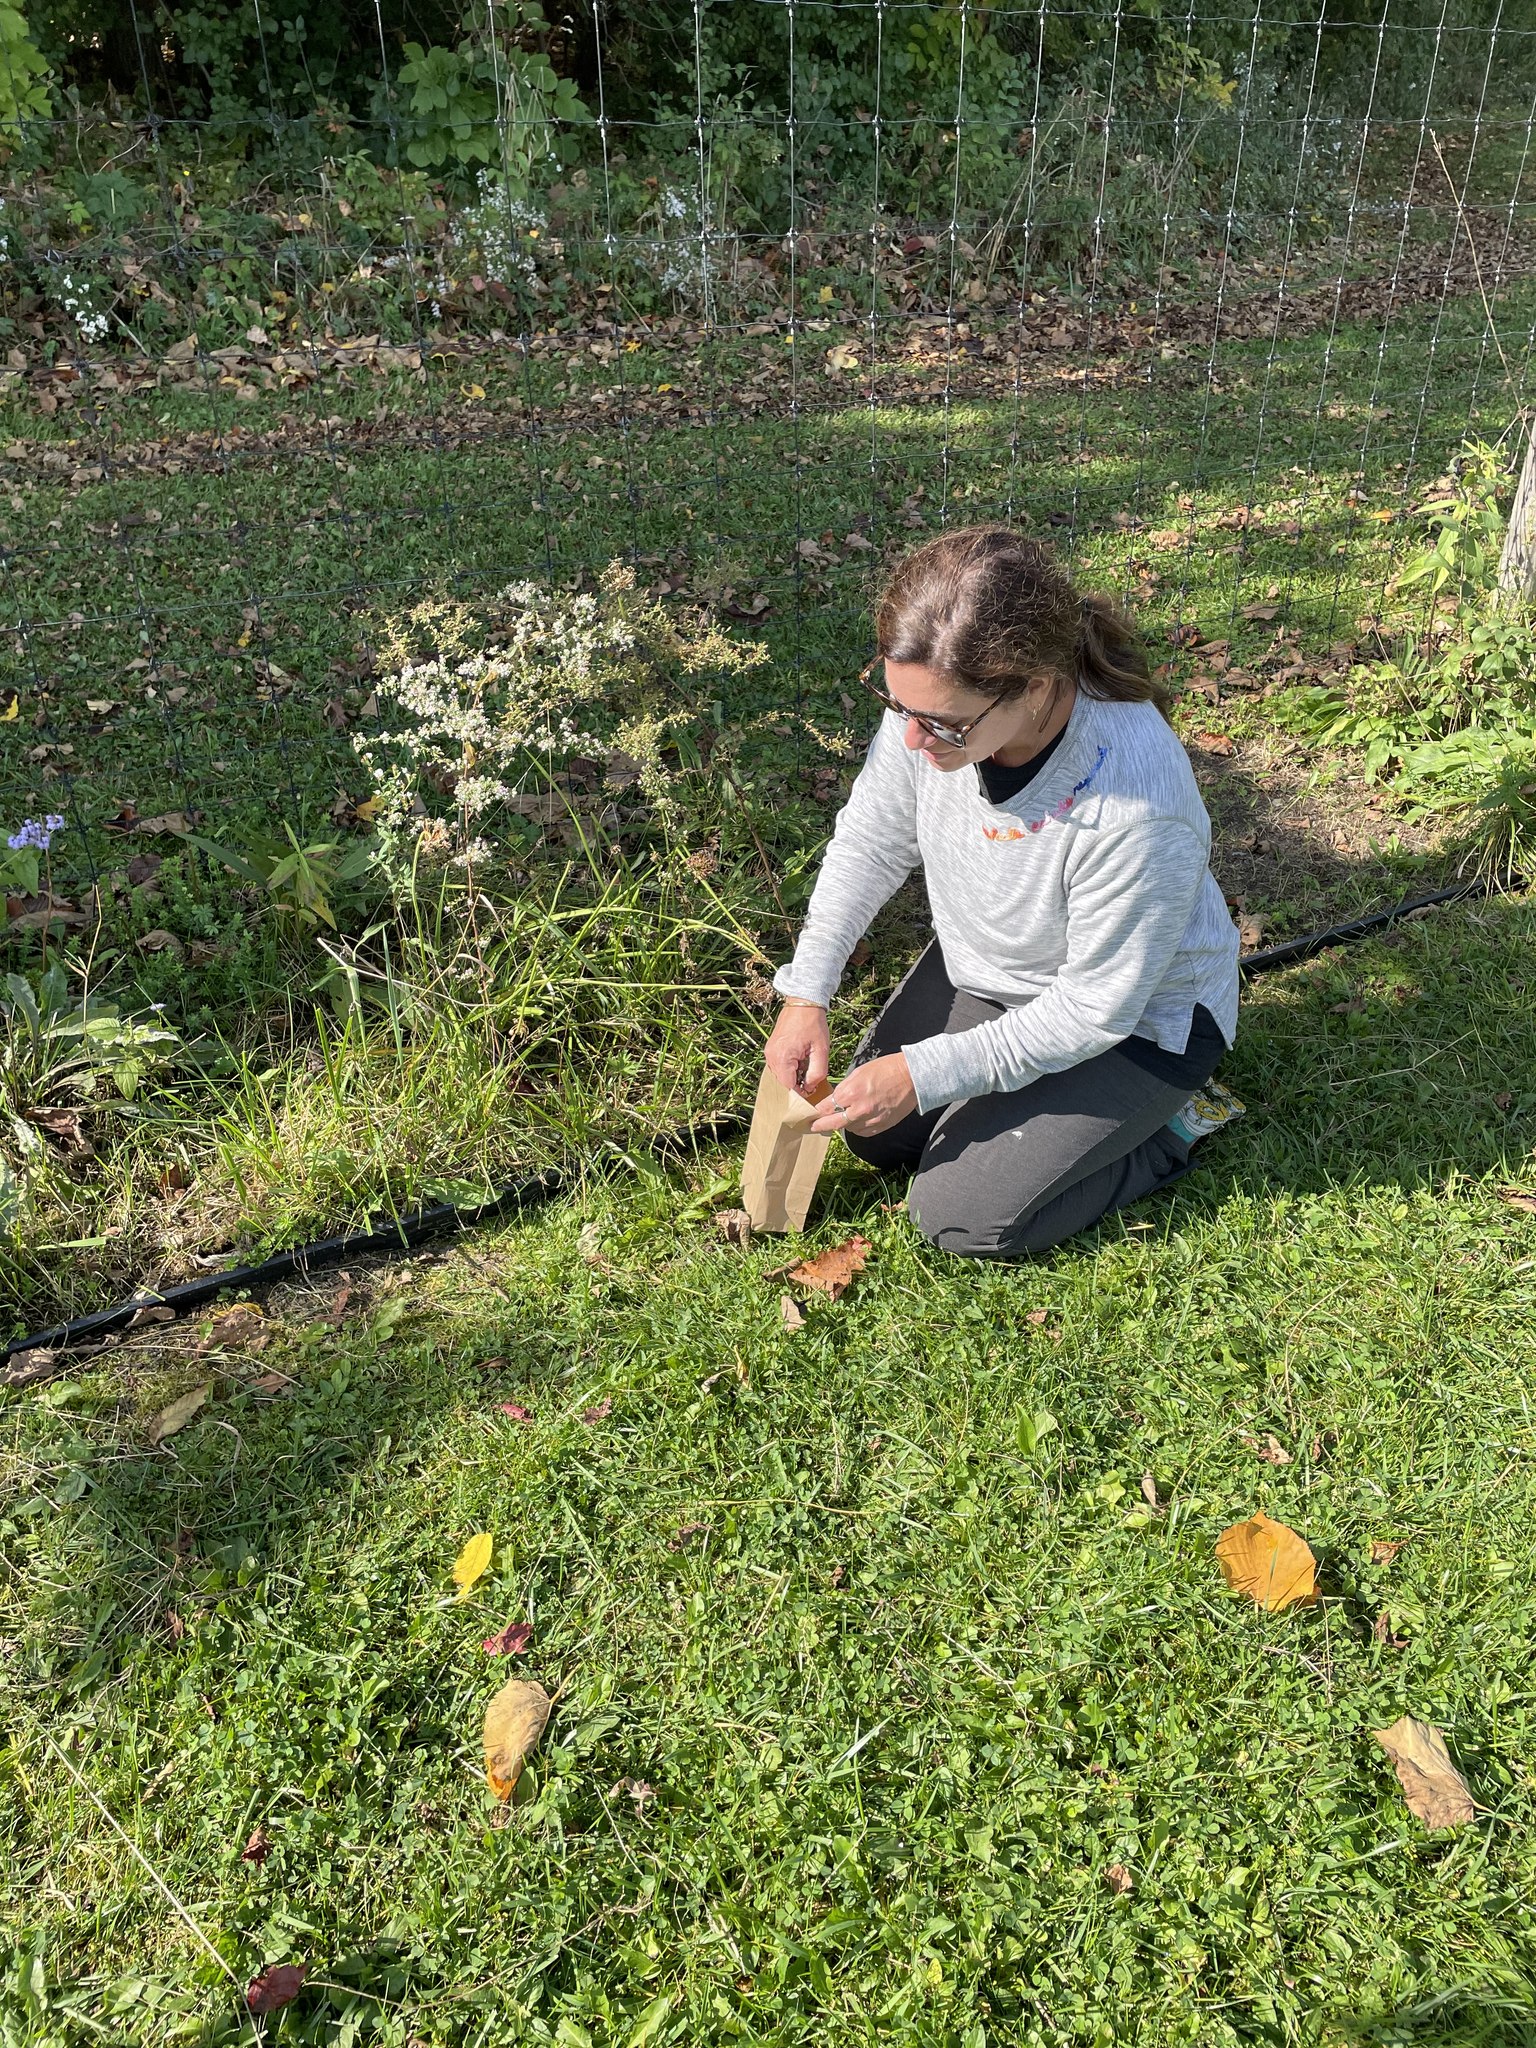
(1058, 810)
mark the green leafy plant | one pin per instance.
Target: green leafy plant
(24, 74)
(300, 881)
(56, 1045)
(1448, 717)
(495, 98)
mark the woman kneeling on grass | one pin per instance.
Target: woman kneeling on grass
(1033, 1066)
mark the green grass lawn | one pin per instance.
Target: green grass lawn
(870, 1724)
(145, 604)
(882, 1714)
(297, 549)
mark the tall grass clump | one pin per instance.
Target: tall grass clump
(554, 949)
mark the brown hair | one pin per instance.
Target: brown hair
(992, 611)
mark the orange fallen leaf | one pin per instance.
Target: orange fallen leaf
(1268, 1562)
(514, 1721)
(1435, 1790)
(831, 1272)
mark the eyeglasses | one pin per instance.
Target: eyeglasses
(936, 728)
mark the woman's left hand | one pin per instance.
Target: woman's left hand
(875, 1096)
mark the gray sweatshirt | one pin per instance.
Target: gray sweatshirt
(1085, 905)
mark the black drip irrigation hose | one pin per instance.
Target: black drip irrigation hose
(400, 1233)
(396, 1235)
(1292, 950)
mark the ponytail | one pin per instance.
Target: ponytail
(1112, 657)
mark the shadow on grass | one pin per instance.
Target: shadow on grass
(1398, 1065)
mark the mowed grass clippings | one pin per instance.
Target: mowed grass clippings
(880, 1714)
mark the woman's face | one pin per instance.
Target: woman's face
(916, 688)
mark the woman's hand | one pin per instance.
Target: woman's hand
(875, 1096)
(800, 1049)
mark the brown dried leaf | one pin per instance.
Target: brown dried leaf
(1269, 1449)
(1149, 1492)
(241, 1327)
(1383, 1551)
(1268, 1562)
(1435, 1790)
(791, 1313)
(1215, 743)
(831, 1272)
(177, 1414)
(276, 1986)
(1118, 1878)
(514, 1721)
(63, 1126)
(735, 1226)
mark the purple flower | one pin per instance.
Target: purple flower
(36, 832)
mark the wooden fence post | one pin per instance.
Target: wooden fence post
(1517, 564)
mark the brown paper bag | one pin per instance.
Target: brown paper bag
(784, 1156)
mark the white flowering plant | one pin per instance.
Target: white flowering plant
(481, 709)
(86, 301)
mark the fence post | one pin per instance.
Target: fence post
(1517, 564)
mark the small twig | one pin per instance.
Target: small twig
(1477, 268)
(138, 1854)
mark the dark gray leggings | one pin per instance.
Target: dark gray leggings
(1001, 1176)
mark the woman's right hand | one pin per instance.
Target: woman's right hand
(799, 1051)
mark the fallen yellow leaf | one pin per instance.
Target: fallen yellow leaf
(12, 710)
(514, 1721)
(369, 809)
(177, 1414)
(472, 1561)
(1433, 1787)
(1268, 1562)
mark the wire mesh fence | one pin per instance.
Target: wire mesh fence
(1211, 329)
